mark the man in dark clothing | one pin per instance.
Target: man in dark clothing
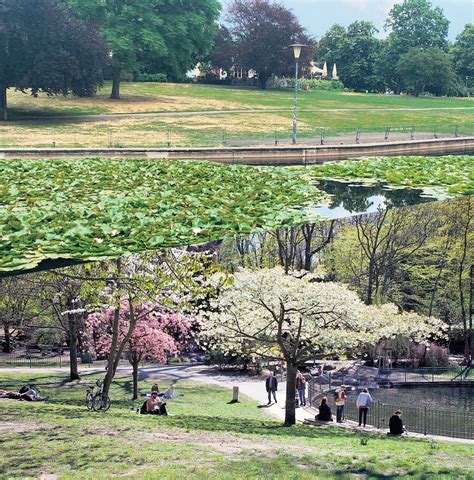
(271, 384)
(396, 424)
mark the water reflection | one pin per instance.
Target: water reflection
(348, 199)
(458, 399)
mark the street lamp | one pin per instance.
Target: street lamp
(297, 47)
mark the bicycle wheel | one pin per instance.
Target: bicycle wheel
(89, 401)
(99, 404)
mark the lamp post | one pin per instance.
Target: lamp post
(297, 47)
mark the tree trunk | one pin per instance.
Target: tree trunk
(115, 83)
(290, 413)
(135, 362)
(7, 346)
(74, 372)
(111, 359)
(262, 83)
(3, 102)
(370, 284)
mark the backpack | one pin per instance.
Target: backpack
(143, 408)
(336, 396)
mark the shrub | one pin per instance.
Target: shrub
(315, 84)
(152, 77)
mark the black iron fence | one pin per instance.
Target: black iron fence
(427, 421)
(427, 374)
(11, 361)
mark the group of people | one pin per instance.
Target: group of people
(271, 385)
(156, 405)
(363, 402)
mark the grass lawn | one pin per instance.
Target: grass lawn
(204, 437)
(318, 109)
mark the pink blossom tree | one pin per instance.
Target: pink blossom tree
(157, 332)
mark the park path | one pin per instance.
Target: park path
(252, 387)
(113, 116)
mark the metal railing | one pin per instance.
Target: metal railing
(426, 374)
(427, 421)
(57, 361)
(177, 137)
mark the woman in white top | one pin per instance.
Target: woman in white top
(364, 401)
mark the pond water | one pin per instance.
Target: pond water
(356, 198)
(448, 398)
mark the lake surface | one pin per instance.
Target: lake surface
(356, 198)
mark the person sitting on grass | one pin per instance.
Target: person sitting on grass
(325, 414)
(170, 393)
(396, 424)
(154, 406)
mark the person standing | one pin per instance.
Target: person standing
(301, 388)
(364, 401)
(271, 384)
(340, 400)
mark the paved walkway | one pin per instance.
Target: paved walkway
(254, 388)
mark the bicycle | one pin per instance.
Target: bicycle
(95, 398)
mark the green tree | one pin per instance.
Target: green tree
(355, 51)
(429, 70)
(152, 35)
(413, 24)
(463, 54)
(44, 47)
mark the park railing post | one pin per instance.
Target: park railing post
(424, 419)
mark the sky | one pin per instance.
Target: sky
(319, 15)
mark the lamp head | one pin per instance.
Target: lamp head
(297, 47)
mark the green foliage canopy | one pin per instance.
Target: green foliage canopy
(151, 36)
(44, 47)
(463, 53)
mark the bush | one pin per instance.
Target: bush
(315, 84)
(152, 77)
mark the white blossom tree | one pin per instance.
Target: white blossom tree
(294, 316)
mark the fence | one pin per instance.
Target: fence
(427, 374)
(11, 361)
(157, 136)
(424, 420)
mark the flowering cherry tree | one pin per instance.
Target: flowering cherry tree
(296, 317)
(157, 332)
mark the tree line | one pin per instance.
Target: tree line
(70, 46)
(415, 57)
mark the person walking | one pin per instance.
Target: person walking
(301, 388)
(340, 400)
(271, 384)
(364, 401)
